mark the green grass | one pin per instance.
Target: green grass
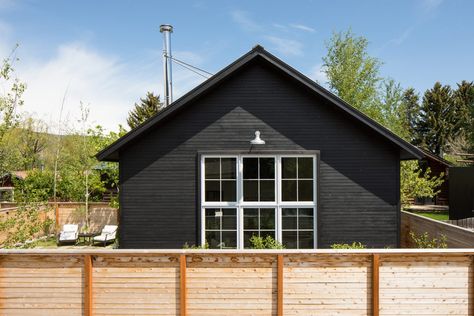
(51, 243)
(44, 243)
(440, 216)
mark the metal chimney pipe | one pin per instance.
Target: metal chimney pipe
(167, 29)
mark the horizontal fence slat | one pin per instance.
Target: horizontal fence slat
(197, 282)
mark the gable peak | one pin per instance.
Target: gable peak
(258, 48)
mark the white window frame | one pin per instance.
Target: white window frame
(239, 204)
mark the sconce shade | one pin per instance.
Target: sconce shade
(257, 140)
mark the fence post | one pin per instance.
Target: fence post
(182, 288)
(280, 285)
(56, 217)
(375, 284)
(88, 285)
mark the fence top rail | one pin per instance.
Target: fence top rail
(138, 252)
(441, 223)
(8, 209)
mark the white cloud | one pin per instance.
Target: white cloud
(317, 74)
(403, 37)
(279, 26)
(7, 4)
(107, 84)
(243, 19)
(430, 5)
(102, 82)
(303, 28)
(286, 46)
(299, 27)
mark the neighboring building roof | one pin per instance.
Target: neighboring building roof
(20, 174)
(428, 154)
(6, 178)
(111, 153)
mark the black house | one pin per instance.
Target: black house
(326, 173)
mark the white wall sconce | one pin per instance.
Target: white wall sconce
(257, 140)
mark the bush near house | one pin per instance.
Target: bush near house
(424, 241)
(354, 245)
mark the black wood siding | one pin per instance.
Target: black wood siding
(359, 170)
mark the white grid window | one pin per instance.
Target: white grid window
(220, 175)
(259, 222)
(268, 194)
(297, 227)
(221, 227)
(258, 179)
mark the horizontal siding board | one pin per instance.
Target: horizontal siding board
(358, 198)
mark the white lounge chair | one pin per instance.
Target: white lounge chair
(69, 234)
(107, 235)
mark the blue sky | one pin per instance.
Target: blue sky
(107, 53)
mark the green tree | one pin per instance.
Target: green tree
(36, 187)
(108, 171)
(9, 103)
(32, 142)
(393, 109)
(415, 182)
(148, 106)
(352, 73)
(411, 107)
(438, 119)
(464, 101)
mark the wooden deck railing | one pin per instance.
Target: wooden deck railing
(196, 282)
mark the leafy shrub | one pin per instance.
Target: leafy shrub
(354, 245)
(115, 202)
(25, 224)
(187, 246)
(414, 182)
(47, 226)
(424, 241)
(257, 242)
(36, 187)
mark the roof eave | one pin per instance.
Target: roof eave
(111, 153)
(107, 153)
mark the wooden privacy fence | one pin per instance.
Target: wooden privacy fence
(457, 237)
(197, 282)
(465, 222)
(100, 214)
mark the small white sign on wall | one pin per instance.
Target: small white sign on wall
(219, 214)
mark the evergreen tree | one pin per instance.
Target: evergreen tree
(464, 104)
(411, 107)
(438, 119)
(148, 107)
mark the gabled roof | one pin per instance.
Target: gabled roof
(429, 155)
(111, 153)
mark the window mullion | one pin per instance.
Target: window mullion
(220, 179)
(240, 190)
(240, 227)
(258, 179)
(297, 182)
(258, 217)
(220, 230)
(297, 223)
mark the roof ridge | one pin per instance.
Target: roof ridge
(256, 51)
